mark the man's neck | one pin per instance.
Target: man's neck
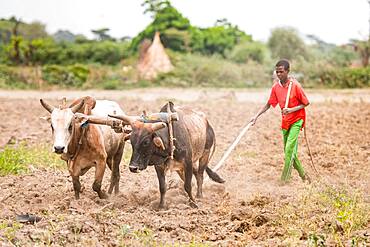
(284, 82)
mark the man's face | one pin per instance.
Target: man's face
(282, 74)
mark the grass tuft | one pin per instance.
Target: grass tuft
(18, 159)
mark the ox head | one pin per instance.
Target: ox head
(144, 141)
(61, 124)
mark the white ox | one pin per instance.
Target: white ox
(84, 145)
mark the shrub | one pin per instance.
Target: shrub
(248, 51)
(195, 70)
(341, 77)
(74, 75)
(16, 159)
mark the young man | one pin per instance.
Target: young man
(293, 117)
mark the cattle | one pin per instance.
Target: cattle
(194, 141)
(84, 145)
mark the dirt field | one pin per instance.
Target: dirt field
(243, 211)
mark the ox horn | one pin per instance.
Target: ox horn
(158, 126)
(124, 118)
(78, 106)
(48, 107)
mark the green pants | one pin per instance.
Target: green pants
(290, 150)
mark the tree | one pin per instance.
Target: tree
(285, 42)
(363, 49)
(173, 27)
(220, 39)
(249, 51)
(101, 34)
(154, 6)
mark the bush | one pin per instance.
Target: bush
(74, 75)
(195, 70)
(16, 159)
(17, 77)
(248, 51)
(341, 78)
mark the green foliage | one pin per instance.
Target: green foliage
(170, 23)
(249, 51)
(363, 49)
(101, 34)
(8, 231)
(330, 54)
(218, 39)
(34, 30)
(74, 75)
(324, 213)
(195, 71)
(12, 161)
(339, 78)
(16, 78)
(17, 159)
(285, 43)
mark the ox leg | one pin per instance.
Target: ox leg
(99, 173)
(116, 163)
(110, 164)
(162, 184)
(187, 183)
(76, 186)
(203, 162)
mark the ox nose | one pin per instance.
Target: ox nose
(134, 169)
(58, 149)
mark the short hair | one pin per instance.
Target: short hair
(284, 63)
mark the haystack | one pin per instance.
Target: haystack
(154, 60)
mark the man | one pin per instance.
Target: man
(293, 117)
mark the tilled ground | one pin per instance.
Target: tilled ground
(243, 211)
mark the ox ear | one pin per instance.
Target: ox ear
(46, 118)
(82, 119)
(158, 142)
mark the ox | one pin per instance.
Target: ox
(194, 141)
(84, 145)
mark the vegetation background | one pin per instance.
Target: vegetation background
(217, 56)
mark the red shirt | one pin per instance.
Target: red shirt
(297, 97)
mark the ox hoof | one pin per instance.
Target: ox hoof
(103, 195)
(82, 188)
(193, 204)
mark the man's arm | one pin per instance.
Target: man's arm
(261, 111)
(286, 111)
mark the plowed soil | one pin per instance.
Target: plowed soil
(238, 213)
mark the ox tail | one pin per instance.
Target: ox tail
(214, 176)
(211, 144)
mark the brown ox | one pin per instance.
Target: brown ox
(85, 145)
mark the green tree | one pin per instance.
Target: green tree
(249, 51)
(363, 49)
(154, 6)
(330, 54)
(220, 39)
(285, 42)
(101, 34)
(173, 27)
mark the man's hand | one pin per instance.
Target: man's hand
(253, 120)
(286, 111)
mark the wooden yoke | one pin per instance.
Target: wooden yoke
(114, 124)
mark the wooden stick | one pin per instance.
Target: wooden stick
(232, 146)
(288, 94)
